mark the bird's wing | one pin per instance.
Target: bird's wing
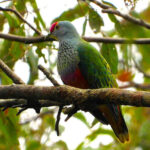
(97, 73)
(94, 68)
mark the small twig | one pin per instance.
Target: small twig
(127, 17)
(108, 9)
(48, 75)
(21, 110)
(21, 18)
(104, 6)
(10, 73)
(70, 111)
(58, 120)
(136, 85)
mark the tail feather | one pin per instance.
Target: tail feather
(111, 114)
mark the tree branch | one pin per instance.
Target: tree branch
(128, 18)
(30, 40)
(26, 40)
(104, 6)
(108, 9)
(66, 95)
(136, 85)
(21, 18)
(10, 73)
(48, 75)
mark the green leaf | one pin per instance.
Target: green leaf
(95, 20)
(94, 122)
(59, 145)
(82, 118)
(144, 136)
(84, 26)
(37, 12)
(34, 145)
(99, 131)
(78, 11)
(109, 52)
(20, 5)
(2, 19)
(118, 26)
(32, 60)
(145, 53)
(8, 127)
(80, 146)
(12, 20)
(109, 4)
(39, 52)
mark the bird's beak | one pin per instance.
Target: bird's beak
(50, 35)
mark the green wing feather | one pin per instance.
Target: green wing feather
(94, 67)
(97, 72)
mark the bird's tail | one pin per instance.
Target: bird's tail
(111, 114)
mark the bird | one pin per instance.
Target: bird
(80, 65)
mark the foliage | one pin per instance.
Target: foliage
(119, 57)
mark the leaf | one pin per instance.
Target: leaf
(144, 136)
(118, 26)
(82, 118)
(94, 122)
(95, 20)
(2, 21)
(20, 5)
(61, 145)
(109, 52)
(39, 52)
(91, 137)
(32, 60)
(37, 12)
(78, 11)
(33, 145)
(80, 146)
(109, 4)
(84, 26)
(12, 20)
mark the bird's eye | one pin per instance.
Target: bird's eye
(57, 27)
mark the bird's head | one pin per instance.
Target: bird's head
(62, 30)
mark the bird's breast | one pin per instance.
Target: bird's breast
(67, 65)
(75, 79)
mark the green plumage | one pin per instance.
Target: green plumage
(94, 67)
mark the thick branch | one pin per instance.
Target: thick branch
(84, 99)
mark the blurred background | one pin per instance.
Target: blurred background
(130, 64)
